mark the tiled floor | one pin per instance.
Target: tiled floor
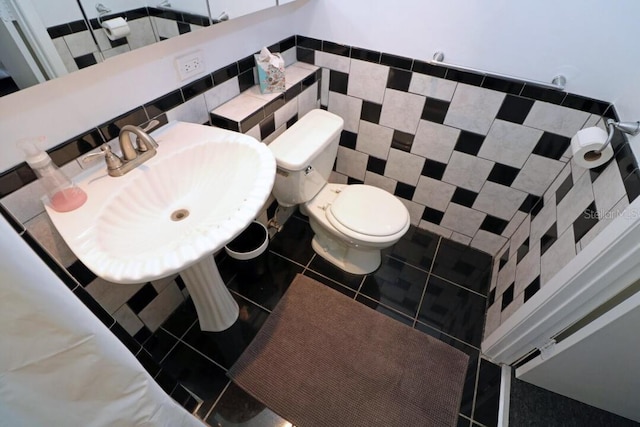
(432, 284)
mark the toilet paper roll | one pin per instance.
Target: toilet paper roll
(585, 144)
(116, 28)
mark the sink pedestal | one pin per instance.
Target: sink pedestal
(217, 310)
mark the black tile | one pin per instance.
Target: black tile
(351, 181)
(396, 285)
(463, 265)
(632, 185)
(226, 346)
(142, 335)
(399, 79)
(305, 55)
(147, 362)
(309, 42)
(435, 110)
(504, 259)
(433, 169)
(466, 77)
(507, 296)
(523, 250)
(75, 147)
(57, 269)
(583, 103)
(81, 273)
(201, 376)
(469, 142)
(376, 165)
(59, 31)
(405, 191)
(292, 92)
(396, 61)
(142, 298)
(267, 127)
(626, 161)
(492, 297)
(537, 206)
(246, 80)
(487, 394)
(198, 87)
(338, 81)
(8, 216)
(453, 310)
(166, 381)
(432, 215)
(429, 69)
(183, 28)
(180, 320)
(307, 82)
(292, 121)
(274, 105)
(164, 103)
(124, 337)
(585, 222)
(402, 141)
(225, 73)
(95, 308)
(224, 123)
(348, 139)
(336, 49)
(538, 93)
(323, 267)
(494, 224)
(370, 112)
(287, 43)
(552, 146)
(365, 55)
(85, 61)
(112, 128)
(515, 109)
(548, 238)
(464, 197)
(531, 289)
(503, 174)
(417, 248)
(246, 64)
(564, 188)
(294, 241)
(502, 85)
(116, 43)
(252, 120)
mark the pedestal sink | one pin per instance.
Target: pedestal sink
(170, 214)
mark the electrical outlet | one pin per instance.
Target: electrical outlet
(190, 64)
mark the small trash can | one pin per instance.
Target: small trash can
(248, 251)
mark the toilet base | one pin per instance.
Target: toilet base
(347, 258)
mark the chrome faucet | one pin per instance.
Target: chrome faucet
(132, 156)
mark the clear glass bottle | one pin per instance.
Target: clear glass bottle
(63, 195)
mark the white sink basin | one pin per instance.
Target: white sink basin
(203, 187)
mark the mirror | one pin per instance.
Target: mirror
(43, 40)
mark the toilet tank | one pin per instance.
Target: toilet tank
(305, 154)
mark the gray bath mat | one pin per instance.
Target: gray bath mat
(322, 359)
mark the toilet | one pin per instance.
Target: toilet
(351, 223)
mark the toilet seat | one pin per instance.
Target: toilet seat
(367, 213)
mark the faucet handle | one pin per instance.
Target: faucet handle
(113, 161)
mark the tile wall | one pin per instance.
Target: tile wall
(77, 46)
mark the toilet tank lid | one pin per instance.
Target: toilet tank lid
(295, 148)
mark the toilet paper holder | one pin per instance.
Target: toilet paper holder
(631, 128)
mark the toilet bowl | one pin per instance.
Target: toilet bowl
(352, 223)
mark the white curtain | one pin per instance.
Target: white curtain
(59, 365)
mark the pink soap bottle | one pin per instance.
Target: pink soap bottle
(64, 195)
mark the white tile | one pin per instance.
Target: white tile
(522, 233)
(509, 143)
(380, 181)
(367, 80)
(347, 107)
(290, 57)
(556, 119)
(608, 188)
(160, 284)
(257, 93)
(103, 40)
(575, 202)
(80, 43)
(604, 221)
(111, 296)
(537, 174)
(467, 171)
(324, 87)
(332, 61)
(562, 176)
(492, 320)
(26, 202)
(499, 200)
(401, 110)
(222, 93)
(338, 178)
(433, 87)
(65, 54)
(507, 275)
(544, 219)
(285, 113)
(515, 222)
(142, 33)
(473, 108)
(433, 193)
(494, 270)
(128, 320)
(254, 132)
(308, 100)
(159, 310)
(110, 53)
(462, 219)
(415, 210)
(43, 230)
(434, 228)
(166, 28)
(240, 107)
(294, 74)
(460, 238)
(557, 256)
(435, 141)
(404, 167)
(351, 163)
(576, 170)
(488, 242)
(528, 268)
(374, 139)
(192, 111)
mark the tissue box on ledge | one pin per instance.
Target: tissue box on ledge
(270, 71)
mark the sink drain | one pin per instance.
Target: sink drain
(179, 215)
